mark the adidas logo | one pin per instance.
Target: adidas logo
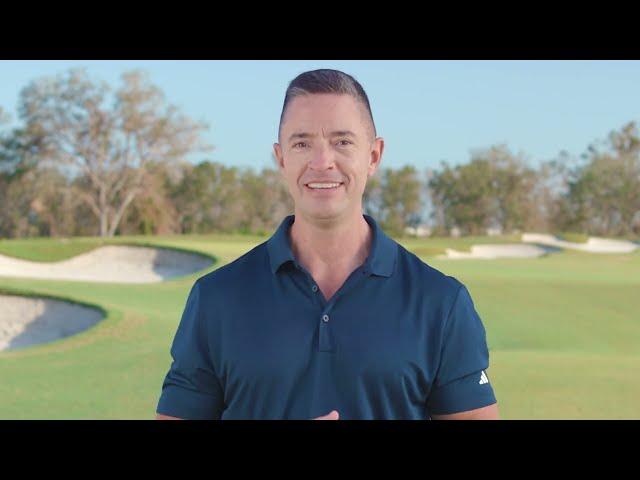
(483, 378)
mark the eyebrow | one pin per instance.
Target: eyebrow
(337, 133)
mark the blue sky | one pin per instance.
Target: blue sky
(427, 111)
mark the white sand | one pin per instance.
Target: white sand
(593, 244)
(121, 264)
(26, 321)
(491, 251)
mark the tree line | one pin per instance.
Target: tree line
(86, 159)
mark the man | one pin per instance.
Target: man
(330, 318)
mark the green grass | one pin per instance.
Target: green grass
(57, 249)
(563, 332)
(47, 249)
(573, 237)
(427, 247)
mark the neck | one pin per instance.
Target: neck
(331, 249)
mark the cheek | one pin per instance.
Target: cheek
(290, 169)
(293, 181)
(293, 185)
(358, 179)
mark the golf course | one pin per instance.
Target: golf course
(563, 329)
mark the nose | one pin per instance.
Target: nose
(321, 159)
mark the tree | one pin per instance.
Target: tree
(152, 212)
(265, 200)
(604, 193)
(400, 200)
(550, 214)
(513, 187)
(495, 189)
(28, 197)
(462, 196)
(372, 197)
(70, 124)
(207, 198)
(17, 149)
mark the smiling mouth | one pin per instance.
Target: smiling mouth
(323, 185)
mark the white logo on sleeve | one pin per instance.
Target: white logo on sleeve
(483, 378)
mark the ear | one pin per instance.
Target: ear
(277, 153)
(376, 155)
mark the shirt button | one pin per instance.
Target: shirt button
(325, 318)
(314, 288)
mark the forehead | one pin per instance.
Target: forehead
(317, 111)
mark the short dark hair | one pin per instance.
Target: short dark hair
(326, 81)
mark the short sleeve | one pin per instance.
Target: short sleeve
(461, 382)
(191, 389)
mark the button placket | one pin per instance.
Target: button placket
(325, 343)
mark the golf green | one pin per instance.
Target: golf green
(563, 332)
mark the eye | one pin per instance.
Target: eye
(344, 143)
(300, 145)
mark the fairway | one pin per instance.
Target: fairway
(563, 332)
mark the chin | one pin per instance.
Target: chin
(323, 214)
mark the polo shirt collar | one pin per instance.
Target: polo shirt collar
(278, 245)
(381, 259)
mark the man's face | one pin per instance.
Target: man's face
(326, 154)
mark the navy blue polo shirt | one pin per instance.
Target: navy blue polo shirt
(258, 340)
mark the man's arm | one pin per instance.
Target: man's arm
(489, 412)
(461, 389)
(160, 416)
(333, 415)
(191, 388)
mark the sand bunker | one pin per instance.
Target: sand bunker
(26, 321)
(121, 264)
(507, 250)
(593, 245)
